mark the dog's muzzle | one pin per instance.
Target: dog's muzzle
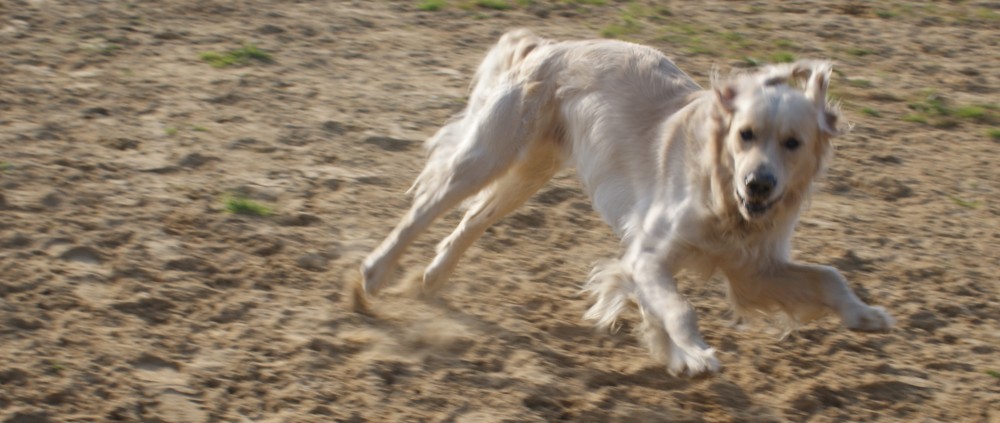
(758, 187)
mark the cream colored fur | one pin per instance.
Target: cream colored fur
(667, 165)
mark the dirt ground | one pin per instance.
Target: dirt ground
(129, 293)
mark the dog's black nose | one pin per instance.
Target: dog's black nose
(760, 184)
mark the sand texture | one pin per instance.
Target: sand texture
(129, 293)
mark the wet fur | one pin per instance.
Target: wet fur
(661, 160)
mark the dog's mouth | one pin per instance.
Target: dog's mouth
(756, 207)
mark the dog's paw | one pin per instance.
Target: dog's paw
(693, 363)
(359, 302)
(869, 319)
(431, 284)
(372, 276)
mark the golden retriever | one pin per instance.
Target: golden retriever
(690, 178)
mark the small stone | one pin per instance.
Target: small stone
(192, 264)
(299, 219)
(27, 324)
(373, 180)
(29, 417)
(95, 112)
(52, 200)
(333, 184)
(270, 30)
(195, 160)
(85, 255)
(168, 35)
(390, 144)
(312, 262)
(121, 144)
(927, 321)
(244, 143)
(334, 127)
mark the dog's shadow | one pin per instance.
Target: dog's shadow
(478, 351)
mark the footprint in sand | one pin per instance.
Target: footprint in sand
(175, 400)
(153, 310)
(83, 254)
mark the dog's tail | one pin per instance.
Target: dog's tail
(612, 285)
(506, 55)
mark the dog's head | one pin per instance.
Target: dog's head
(777, 135)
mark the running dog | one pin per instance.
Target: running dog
(705, 180)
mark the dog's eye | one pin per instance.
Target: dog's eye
(746, 135)
(792, 143)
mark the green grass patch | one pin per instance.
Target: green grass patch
(946, 122)
(938, 113)
(993, 133)
(629, 25)
(987, 15)
(886, 14)
(860, 83)
(493, 4)
(631, 22)
(697, 46)
(246, 206)
(933, 103)
(969, 204)
(199, 128)
(663, 11)
(783, 57)
(784, 44)
(54, 367)
(993, 373)
(971, 112)
(735, 42)
(733, 36)
(238, 57)
(108, 49)
(751, 62)
(689, 29)
(102, 48)
(6, 166)
(170, 131)
(696, 38)
(871, 112)
(431, 5)
(884, 96)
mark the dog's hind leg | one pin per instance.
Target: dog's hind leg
(494, 202)
(491, 138)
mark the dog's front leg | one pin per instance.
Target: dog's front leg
(805, 291)
(837, 295)
(671, 326)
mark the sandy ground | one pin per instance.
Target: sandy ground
(128, 293)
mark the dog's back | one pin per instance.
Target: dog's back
(589, 95)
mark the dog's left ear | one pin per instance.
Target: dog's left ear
(816, 88)
(725, 96)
